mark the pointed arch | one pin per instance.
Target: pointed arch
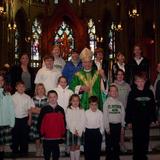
(64, 12)
(22, 30)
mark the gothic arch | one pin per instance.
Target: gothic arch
(63, 12)
(22, 28)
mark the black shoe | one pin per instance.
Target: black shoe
(15, 154)
(1, 155)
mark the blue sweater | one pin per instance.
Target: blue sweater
(70, 69)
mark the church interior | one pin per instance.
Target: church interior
(114, 25)
(34, 26)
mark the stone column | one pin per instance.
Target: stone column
(139, 22)
(4, 57)
(157, 29)
(124, 36)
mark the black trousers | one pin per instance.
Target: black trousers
(51, 147)
(92, 144)
(20, 136)
(112, 142)
(1, 155)
(140, 141)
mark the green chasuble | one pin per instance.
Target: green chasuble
(91, 79)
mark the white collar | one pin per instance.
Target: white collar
(74, 108)
(37, 97)
(19, 93)
(89, 70)
(59, 86)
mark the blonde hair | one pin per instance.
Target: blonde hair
(36, 88)
(113, 86)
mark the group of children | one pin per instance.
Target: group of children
(57, 118)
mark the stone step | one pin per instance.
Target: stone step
(154, 144)
(151, 157)
(31, 156)
(154, 131)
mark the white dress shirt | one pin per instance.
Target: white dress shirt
(138, 60)
(75, 119)
(121, 66)
(98, 64)
(94, 120)
(63, 96)
(48, 77)
(22, 103)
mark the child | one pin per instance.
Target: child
(119, 64)
(72, 66)
(113, 113)
(93, 130)
(7, 117)
(22, 109)
(48, 75)
(75, 118)
(140, 113)
(40, 100)
(123, 91)
(63, 92)
(51, 123)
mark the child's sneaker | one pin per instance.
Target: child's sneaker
(38, 153)
(149, 148)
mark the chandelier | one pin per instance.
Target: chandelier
(12, 25)
(2, 9)
(133, 13)
(117, 27)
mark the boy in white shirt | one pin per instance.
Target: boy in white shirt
(48, 75)
(113, 115)
(22, 107)
(93, 130)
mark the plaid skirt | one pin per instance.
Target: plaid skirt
(5, 135)
(34, 133)
(72, 139)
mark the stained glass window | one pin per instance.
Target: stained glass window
(36, 43)
(83, 1)
(92, 35)
(112, 41)
(64, 36)
(16, 44)
(56, 1)
(71, 1)
(38, 1)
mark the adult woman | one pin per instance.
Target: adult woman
(138, 63)
(119, 64)
(23, 72)
(100, 61)
(59, 62)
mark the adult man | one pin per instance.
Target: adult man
(87, 81)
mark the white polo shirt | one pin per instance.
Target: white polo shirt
(22, 103)
(48, 77)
